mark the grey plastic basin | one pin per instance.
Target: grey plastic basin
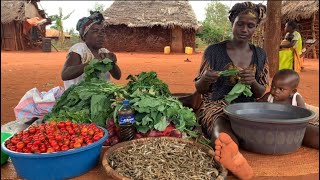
(268, 128)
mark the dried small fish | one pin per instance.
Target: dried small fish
(161, 159)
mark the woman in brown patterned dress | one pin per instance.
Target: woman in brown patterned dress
(253, 66)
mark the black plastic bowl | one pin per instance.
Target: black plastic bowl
(268, 128)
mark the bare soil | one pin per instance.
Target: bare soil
(22, 71)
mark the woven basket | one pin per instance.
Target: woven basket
(124, 145)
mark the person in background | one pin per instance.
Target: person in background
(284, 91)
(92, 32)
(289, 54)
(253, 66)
(287, 39)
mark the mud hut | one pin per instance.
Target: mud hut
(16, 33)
(149, 26)
(306, 14)
(54, 34)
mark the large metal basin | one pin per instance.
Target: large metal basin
(269, 128)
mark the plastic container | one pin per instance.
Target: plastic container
(4, 137)
(126, 122)
(188, 50)
(46, 44)
(269, 128)
(59, 165)
(167, 50)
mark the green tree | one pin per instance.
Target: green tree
(97, 7)
(72, 32)
(58, 24)
(216, 26)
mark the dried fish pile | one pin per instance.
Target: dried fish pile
(160, 159)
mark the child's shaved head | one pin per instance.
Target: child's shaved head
(290, 76)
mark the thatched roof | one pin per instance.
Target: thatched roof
(296, 10)
(53, 33)
(19, 10)
(151, 13)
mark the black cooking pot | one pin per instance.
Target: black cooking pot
(269, 128)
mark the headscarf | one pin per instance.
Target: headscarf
(255, 10)
(85, 23)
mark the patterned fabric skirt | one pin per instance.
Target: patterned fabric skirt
(208, 113)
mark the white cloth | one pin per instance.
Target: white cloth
(86, 56)
(294, 99)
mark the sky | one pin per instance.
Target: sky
(81, 9)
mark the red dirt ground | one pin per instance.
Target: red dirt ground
(22, 71)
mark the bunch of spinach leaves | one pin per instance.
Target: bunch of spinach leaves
(91, 100)
(146, 81)
(96, 68)
(156, 112)
(238, 89)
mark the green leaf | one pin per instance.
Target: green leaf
(162, 124)
(146, 120)
(161, 108)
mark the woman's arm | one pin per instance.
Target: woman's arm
(300, 101)
(115, 72)
(73, 67)
(264, 98)
(290, 45)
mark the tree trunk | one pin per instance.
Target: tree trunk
(314, 51)
(272, 34)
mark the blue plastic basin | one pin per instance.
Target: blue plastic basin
(58, 165)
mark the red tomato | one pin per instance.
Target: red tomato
(29, 146)
(53, 123)
(96, 138)
(77, 145)
(68, 123)
(91, 132)
(43, 149)
(56, 148)
(59, 137)
(53, 143)
(32, 130)
(61, 125)
(89, 142)
(37, 142)
(71, 132)
(50, 150)
(66, 141)
(27, 140)
(14, 140)
(84, 133)
(64, 148)
(34, 148)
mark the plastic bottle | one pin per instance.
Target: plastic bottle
(126, 122)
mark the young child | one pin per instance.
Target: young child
(284, 91)
(287, 39)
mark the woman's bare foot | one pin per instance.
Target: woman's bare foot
(227, 153)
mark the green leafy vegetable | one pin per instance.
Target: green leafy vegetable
(149, 83)
(229, 72)
(96, 67)
(237, 90)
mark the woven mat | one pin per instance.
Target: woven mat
(303, 164)
(304, 161)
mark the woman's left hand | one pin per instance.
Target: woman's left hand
(247, 76)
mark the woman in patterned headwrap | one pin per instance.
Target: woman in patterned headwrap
(253, 66)
(92, 32)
